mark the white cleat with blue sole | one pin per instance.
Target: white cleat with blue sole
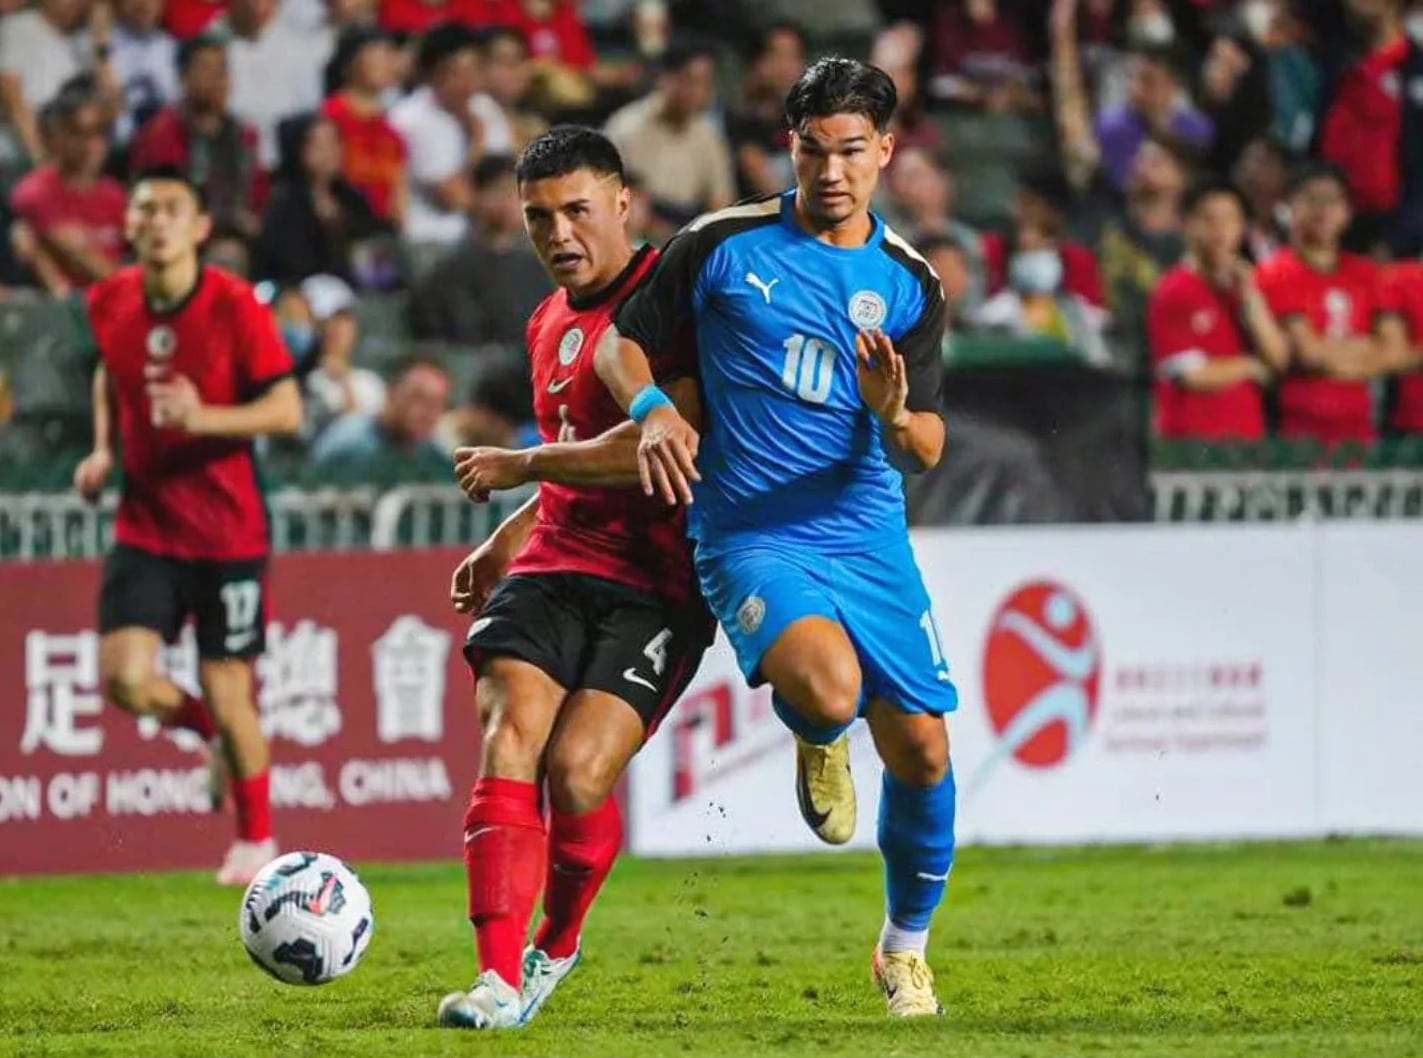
(490, 1003)
(542, 974)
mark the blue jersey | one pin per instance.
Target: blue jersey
(790, 454)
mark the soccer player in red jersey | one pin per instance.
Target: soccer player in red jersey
(1331, 304)
(1403, 286)
(1214, 341)
(596, 626)
(191, 370)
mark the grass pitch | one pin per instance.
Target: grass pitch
(1295, 950)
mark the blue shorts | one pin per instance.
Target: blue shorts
(878, 597)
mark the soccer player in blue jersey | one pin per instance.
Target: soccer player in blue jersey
(818, 333)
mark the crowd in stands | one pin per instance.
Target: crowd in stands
(1220, 199)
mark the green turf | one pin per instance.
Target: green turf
(1296, 950)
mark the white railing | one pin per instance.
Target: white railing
(1286, 495)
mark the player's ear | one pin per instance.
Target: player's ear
(203, 227)
(624, 202)
(886, 148)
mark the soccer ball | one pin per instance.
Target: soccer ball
(306, 918)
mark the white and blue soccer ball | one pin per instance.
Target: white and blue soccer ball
(306, 918)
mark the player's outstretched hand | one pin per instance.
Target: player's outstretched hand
(667, 454)
(483, 470)
(884, 385)
(173, 397)
(475, 577)
(92, 472)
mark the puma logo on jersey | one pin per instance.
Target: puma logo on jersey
(763, 287)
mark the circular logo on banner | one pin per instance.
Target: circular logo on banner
(162, 342)
(751, 614)
(570, 346)
(867, 310)
(1042, 669)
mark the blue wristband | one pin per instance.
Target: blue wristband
(647, 398)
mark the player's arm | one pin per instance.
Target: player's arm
(1266, 335)
(1176, 352)
(1387, 351)
(608, 460)
(93, 470)
(176, 403)
(902, 382)
(475, 577)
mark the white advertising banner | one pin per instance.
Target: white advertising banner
(1116, 683)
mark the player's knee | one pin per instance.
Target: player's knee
(512, 745)
(580, 777)
(129, 687)
(922, 763)
(832, 697)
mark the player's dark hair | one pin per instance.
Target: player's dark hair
(439, 43)
(503, 386)
(836, 85)
(683, 50)
(1310, 172)
(566, 149)
(169, 174)
(414, 361)
(759, 42)
(490, 169)
(1208, 188)
(191, 48)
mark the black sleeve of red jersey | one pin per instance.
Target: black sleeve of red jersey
(656, 313)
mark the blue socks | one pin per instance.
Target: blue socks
(803, 728)
(916, 839)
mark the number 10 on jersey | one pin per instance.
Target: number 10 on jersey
(809, 368)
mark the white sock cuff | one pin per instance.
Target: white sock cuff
(896, 938)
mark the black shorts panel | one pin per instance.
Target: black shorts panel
(590, 633)
(226, 599)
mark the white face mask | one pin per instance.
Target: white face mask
(1035, 272)
(1258, 16)
(1153, 28)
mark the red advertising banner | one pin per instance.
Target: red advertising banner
(363, 692)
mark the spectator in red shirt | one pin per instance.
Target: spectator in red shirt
(1340, 328)
(1403, 284)
(71, 216)
(200, 137)
(408, 18)
(373, 153)
(555, 33)
(980, 55)
(1362, 127)
(188, 18)
(1214, 342)
(1043, 199)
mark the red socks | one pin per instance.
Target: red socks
(504, 853)
(193, 716)
(581, 852)
(252, 799)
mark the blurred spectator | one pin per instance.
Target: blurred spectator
(319, 326)
(72, 214)
(1295, 81)
(40, 49)
(979, 56)
(641, 224)
(1403, 283)
(1037, 305)
(344, 14)
(1235, 94)
(373, 153)
(1043, 200)
(897, 51)
(757, 129)
(410, 18)
(834, 25)
(1363, 126)
(508, 75)
(1260, 174)
(498, 411)
(922, 195)
(670, 140)
(276, 69)
(1327, 301)
(1137, 247)
(954, 266)
(447, 124)
(229, 250)
(555, 33)
(403, 429)
(200, 136)
(487, 288)
(315, 217)
(189, 18)
(1214, 342)
(145, 63)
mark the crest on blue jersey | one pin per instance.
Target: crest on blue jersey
(867, 310)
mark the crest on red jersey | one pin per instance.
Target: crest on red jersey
(162, 342)
(570, 345)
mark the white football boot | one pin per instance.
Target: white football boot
(490, 1003)
(824, 789)
(542, 974)
(906, 982)
(244, 859)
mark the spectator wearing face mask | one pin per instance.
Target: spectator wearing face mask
(1044, 199)
(319, 326)
(1036, 305)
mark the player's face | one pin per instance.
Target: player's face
(1215, 229)
(164, 222)
(577, 223)
(837, 165)
(1319, 212)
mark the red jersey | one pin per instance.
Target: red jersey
(47, 204)
(372, 153)
(1403, 285)
(188, 18)
(416, 16)
(1190, 320)
(560, 35)
(185, 496)
(621, 535)
(1361, 129)
(1337, 304)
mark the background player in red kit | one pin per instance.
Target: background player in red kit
(597, 627)
(1341, 332)
(191, 370)
(1214, 341)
